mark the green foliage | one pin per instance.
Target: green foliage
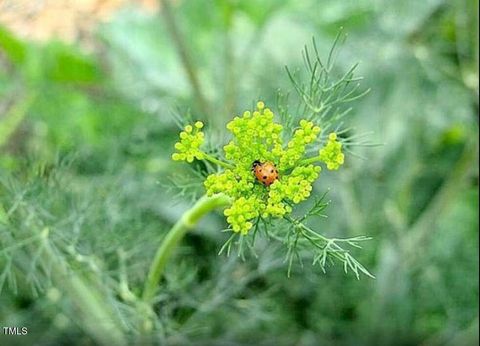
(11, 46)
(100, 211)
(64, 65)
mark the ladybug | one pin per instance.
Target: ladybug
(266, 172)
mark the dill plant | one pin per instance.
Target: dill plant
(301, 142)
(318, 141)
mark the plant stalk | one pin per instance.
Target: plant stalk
(218, 162)
(14, 118)
(185, 57)
(95, 314)
(309, 161)
(203, 206)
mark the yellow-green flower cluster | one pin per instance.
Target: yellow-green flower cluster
(298, 185)
(257, 137)
(295, 187)
(242, 211)
(306, 134)
(190, 141)
(227, 181)
(331, 153)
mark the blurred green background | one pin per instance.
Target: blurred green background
(88, 101)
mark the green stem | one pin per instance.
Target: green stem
(203, 206)
(14, 118)
(309, 161)
(425, 225)
(229, 58)
(185, 56)
(94, 311)
(218, 162)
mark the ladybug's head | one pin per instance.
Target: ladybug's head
(255, 164)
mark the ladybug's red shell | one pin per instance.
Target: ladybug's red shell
(266, 172)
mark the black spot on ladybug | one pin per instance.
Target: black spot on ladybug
(264, 177)
(271, 171)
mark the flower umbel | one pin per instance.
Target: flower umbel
(190, 141)
(257, 137)
(267, 171)
(332, 154)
